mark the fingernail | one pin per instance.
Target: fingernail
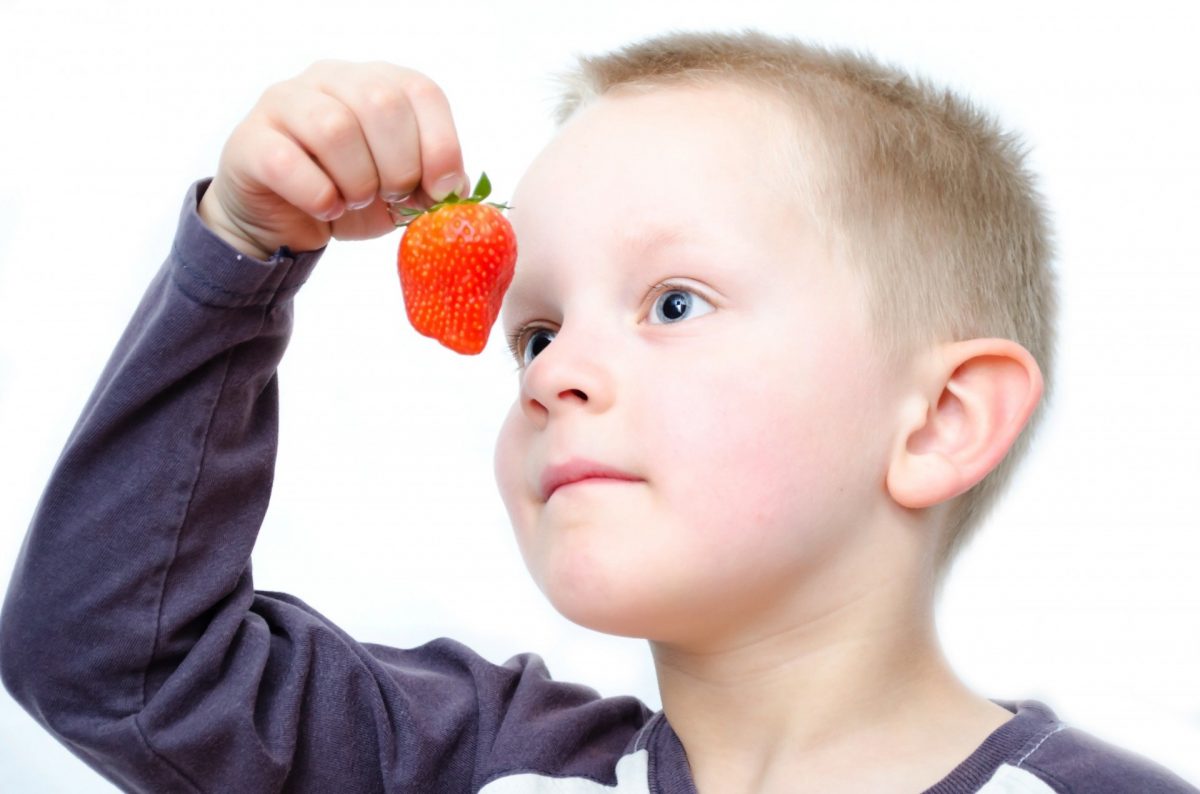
(358, 205)
(451, 183)
(334, 212)
(396, 198)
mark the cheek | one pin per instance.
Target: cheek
(509, 468)
(766, 452)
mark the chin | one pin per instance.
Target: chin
(595, 604)
(620, 611)
(605, 621)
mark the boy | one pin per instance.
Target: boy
(752, 428)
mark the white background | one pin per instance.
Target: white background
(1082, 590)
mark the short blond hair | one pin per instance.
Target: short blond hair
(931, 199)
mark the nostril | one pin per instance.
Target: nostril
(577, 393)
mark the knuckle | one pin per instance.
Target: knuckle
(384, 99)
(424, 89)
(333, 126)
(277, 161)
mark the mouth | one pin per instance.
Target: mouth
(579, 470)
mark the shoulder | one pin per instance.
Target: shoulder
(1065, 759)
(520, 719)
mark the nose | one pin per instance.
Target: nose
(569, 374)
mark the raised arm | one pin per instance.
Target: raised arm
(139, 547)
(131, 629)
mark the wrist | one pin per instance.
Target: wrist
(219, 223)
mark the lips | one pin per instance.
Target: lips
(576, 469)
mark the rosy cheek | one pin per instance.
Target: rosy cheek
(751, 443)
(509, 465)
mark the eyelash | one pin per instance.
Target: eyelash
(660, 288)
(514, 340)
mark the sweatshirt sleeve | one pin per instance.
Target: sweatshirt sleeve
(132, 589)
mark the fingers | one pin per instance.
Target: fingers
(408, 126)
(376, 131)
(287, 169)
(441, 156)
(390, 131)
(329, 133)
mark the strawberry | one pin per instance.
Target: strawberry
(456, 261)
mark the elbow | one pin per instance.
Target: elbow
(32, 666)
(20, 669)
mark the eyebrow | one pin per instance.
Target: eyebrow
(652, 238)
(645, 241)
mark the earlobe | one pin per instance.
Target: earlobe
(979, 397)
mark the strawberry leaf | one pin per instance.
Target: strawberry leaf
(483, 188)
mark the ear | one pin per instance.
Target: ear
(977, 398)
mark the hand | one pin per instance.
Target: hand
(322, 154)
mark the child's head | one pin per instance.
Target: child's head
(744, 251)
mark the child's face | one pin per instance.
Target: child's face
(753, 416)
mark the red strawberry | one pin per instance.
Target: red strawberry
(456, 261)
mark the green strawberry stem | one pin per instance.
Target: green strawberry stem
(483, 189)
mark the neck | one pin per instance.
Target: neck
(809, 692)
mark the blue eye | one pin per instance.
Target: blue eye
(538, 339)
(677, 304)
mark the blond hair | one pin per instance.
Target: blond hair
(931, 200)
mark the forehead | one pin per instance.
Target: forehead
(638, 172)
(649, 142)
